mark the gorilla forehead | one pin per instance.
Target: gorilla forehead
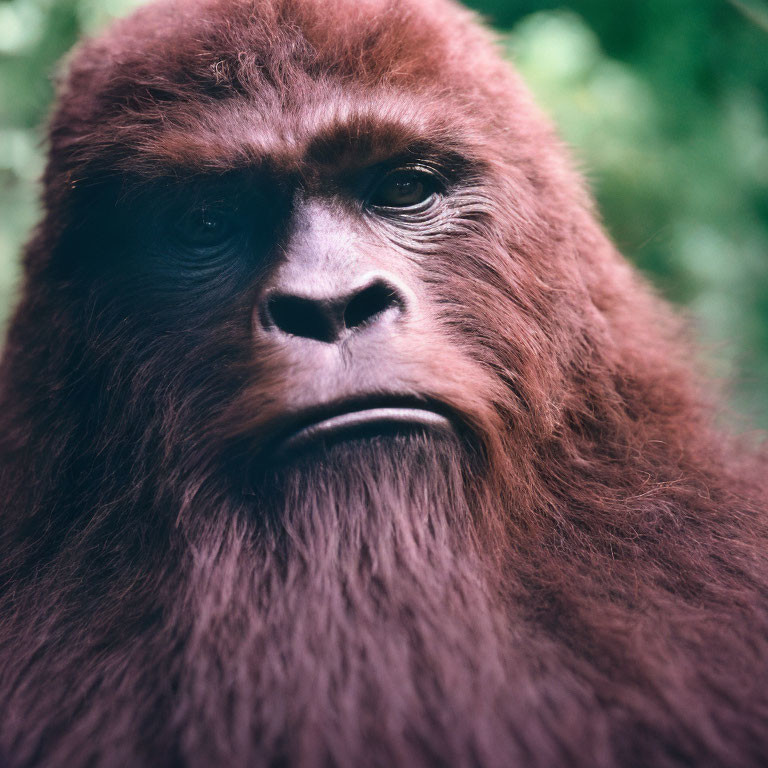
(215, 84)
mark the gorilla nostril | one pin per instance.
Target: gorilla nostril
(329, 319)
(302, 317)
(366, 306)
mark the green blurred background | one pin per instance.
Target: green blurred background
(665, 103)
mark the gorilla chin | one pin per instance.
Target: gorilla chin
(366, 441)
(379, 459)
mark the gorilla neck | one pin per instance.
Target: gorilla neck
(353, 614)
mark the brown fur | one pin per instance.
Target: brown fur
(582, 583)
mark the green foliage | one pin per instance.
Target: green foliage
(677, 151)
(34, 35)
(665, 104)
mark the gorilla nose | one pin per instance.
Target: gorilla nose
(331, 319)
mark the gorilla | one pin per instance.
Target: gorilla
(334, 430)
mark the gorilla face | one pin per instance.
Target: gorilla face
(335, 288)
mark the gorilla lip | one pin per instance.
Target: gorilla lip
(363, 419)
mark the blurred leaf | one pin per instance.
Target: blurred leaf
(757, 13)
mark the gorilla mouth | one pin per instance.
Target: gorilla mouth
(360, 419)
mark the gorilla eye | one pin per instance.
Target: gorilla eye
(205, 227)
(405, 188)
